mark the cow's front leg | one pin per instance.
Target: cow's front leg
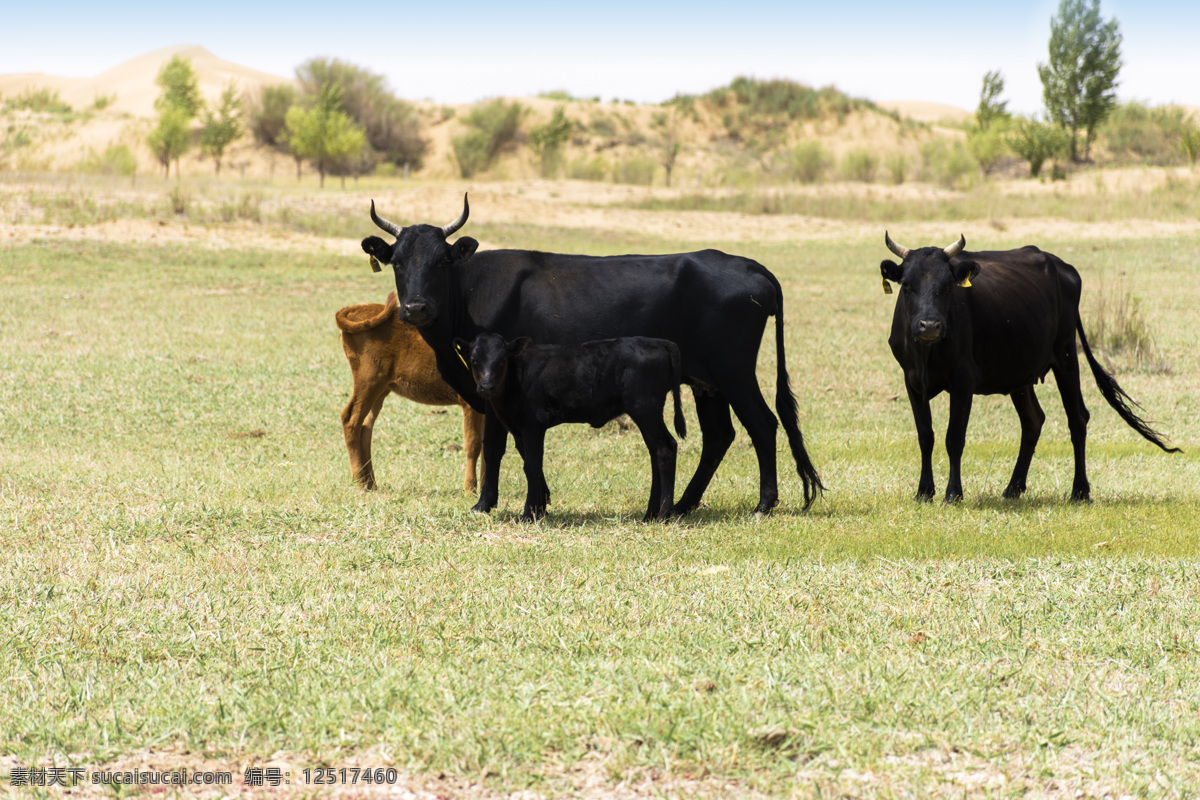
(956, 440)
(537, 495)
(495, 440)
(923, 418)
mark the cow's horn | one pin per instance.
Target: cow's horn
(957, 247)
(902, 252)
(462, 219)
(390, 227)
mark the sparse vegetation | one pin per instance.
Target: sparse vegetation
(1036, 142)
(859, 165)
(1138, 134)
(946, 162)
(808, 162)
(117, 159)
(40, 100)
(635, 168)
(494, 125)
(548, 140)
(1118, 327)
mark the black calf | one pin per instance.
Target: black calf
(532, 388)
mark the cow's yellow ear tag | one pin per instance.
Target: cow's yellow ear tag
(458, 352)
(375, 265)
(966, 282)
(887, 287)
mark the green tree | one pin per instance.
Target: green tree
(268, 114)
(1079, 82)
(171, 139)
(391, 125)
(222, 128)
(179, 88)
(667, 144)
(1036, 142)
(991, 107)
(548, 140)
(323, 134)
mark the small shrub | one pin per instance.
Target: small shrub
(44, 100)
(897, 167)
(1119, 328)
(472, 151)
(1036, 142)
(808, 162)
(103, 101)
(1189, 143)
(860, 165)
(637, 169)
(588, 169)
(1138, 134)
(988, 146)
(117, 159)
(946, 163)
(495, 124)
(180, 199)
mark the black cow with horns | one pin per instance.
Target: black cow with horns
(993, 322)
(712, 305)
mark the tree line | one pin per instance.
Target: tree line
(341, 118)
(1079, 82)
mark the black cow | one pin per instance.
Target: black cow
(993, 322)
(532, 388)
(712, 305)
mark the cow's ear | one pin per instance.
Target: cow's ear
(378, 250)
(463, 249)
(963, 271)
(518, 345)
(891, 271)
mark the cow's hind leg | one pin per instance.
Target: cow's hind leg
(358, 422)
(663, 450)
(716, 430)
(754, 413)
(1032, 417)
(1066, 374)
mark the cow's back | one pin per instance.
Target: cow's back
(696, 300)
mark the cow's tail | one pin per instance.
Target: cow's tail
(785, 406)
(676, 378)
(356, 319)
(1117, 398)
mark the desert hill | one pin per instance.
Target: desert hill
(132, 82)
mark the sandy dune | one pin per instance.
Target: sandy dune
(924, 111)
(133, 81)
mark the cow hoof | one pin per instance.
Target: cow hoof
(1013, 492)
(482, 508)
(951, 499)
(533, 514)
(924, 496)
(1084, 497)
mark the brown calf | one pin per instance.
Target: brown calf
(387, 355)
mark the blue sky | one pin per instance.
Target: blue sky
(923, 50)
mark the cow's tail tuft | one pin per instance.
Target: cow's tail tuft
(676, 378)
(1117, 398)
(785, 406)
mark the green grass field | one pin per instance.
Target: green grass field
(186, 563)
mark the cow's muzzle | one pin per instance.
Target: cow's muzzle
(928, 331)
(418, 313)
